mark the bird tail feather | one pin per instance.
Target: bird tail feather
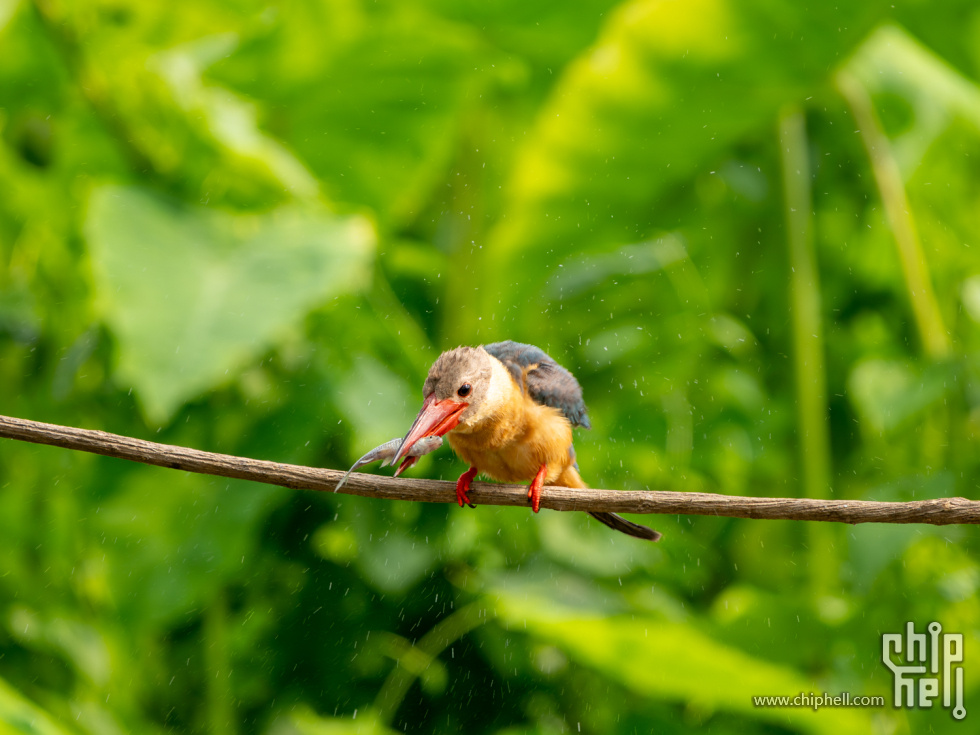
(571, 478)
(622, 525)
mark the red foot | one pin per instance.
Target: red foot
(534, 492)
(463, 487)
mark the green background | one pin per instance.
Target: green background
(751, 229)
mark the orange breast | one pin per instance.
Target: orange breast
(514, 443)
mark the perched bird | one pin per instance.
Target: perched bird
(508, 410)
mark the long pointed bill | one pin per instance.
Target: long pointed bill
(435, 419)
(408, 462)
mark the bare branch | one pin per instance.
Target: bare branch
(938, 512)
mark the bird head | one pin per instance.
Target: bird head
(457, 391)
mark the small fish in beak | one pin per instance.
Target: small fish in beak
(385, 453)
(435, 419)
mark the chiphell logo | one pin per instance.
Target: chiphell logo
(927, 660)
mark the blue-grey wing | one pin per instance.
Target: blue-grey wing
(547, 381)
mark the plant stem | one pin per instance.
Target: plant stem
(220, 709)
(811, 374)
(891, 186)
(808, 343)
(446, 631)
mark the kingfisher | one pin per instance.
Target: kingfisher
(507, 409)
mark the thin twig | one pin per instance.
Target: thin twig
(938, 512)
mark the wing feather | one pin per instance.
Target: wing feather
(547, 382)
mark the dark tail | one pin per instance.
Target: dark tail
(619, 523)
(571, 478)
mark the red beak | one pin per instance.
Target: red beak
(435, 419)
(409, 461)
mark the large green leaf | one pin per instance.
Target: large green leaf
(892, 61)
(224, 121)
(667, 89)
(193, 294)
(373, 104)
(674, 661)
(413, 83)
(19, 716)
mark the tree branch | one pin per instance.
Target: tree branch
(938, 512)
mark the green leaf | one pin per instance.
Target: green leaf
(178, 538)
(80, 643)
(892, 61)
(375, 107)
(674, 661)
(886, 392)
(20, 716)
(307, 722)
(546, 34)
(376, 402)
(192, 295)
(7, 8)
(970, 294)
(667, 88)
(225, 120)
(395, 562)
(412, 83)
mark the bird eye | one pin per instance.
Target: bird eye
(464, 390)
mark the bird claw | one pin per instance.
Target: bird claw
(534, 492)
(462, 498)
(463, 487)
(535, 498)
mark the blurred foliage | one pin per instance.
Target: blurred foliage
(249, 227)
